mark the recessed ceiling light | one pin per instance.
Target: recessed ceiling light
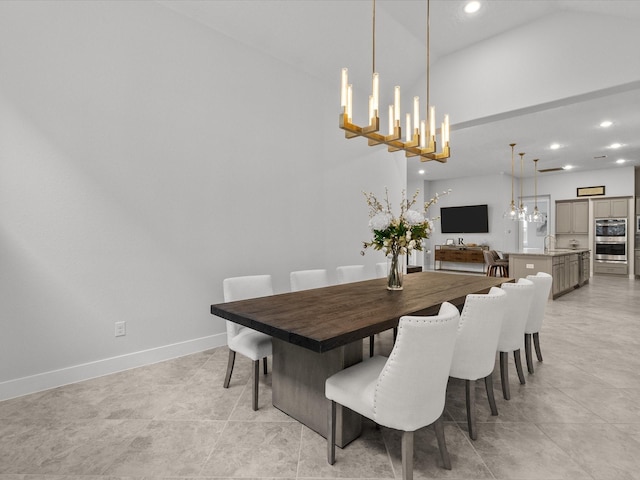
(615, 145)
(421, 172)
(554, 146)
(472, 7)
(606, 124)
(567, 167)
(620, 160)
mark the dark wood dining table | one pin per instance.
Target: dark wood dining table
(319, 332)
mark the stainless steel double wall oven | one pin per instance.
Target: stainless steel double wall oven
(611, 240)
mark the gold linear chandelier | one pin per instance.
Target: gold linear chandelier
(419, 140)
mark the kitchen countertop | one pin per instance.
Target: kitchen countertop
(556, 252)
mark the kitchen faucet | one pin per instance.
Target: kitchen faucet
(544, 242)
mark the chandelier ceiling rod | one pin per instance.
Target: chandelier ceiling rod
(373, 40)
(428, 58)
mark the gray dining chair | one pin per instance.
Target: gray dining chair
(246, 341)
(405, 391)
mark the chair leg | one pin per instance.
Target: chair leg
(256, 378)
(527, 352)
(331, 433)
(471, 408)
(227, 377)
(488, 383)
(517, 360)
(371, 347)
(438, 426)
(264, 365)
(504, 375)
(536, 344)
(407, 455)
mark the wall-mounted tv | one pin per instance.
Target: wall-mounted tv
(466, 219)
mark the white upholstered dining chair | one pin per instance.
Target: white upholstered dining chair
(351, 273)
(381, 270)
(308, 279)
(519, 298)
(405, 391)
(476, 345)
(354, 273)
(246, 341)
(542, 282)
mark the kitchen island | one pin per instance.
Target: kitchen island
(570, 268)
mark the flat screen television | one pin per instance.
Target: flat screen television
(466, 219)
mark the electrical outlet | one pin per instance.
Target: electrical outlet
(121, 329)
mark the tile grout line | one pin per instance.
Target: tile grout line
(224, 428)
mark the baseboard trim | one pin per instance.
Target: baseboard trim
(77, 373)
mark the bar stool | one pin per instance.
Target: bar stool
(495, 265)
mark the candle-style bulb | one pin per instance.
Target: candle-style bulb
(343, 87)
(396, 103)
(375, 92)
(407, 134)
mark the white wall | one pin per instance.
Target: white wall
(493, 190)
(553, 59)
(618, 182)
(144, 158)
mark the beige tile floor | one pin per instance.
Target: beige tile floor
(578, 416)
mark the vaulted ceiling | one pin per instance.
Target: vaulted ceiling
(320, 37)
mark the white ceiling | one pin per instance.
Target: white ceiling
(319, 37)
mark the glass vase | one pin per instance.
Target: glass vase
(394, 272)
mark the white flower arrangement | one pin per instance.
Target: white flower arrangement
(402, 234)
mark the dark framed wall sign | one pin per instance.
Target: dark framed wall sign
(590, 191)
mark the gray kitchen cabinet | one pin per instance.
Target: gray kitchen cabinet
(585, 267)
(574, 270)
(572, 217)
(610, 208)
